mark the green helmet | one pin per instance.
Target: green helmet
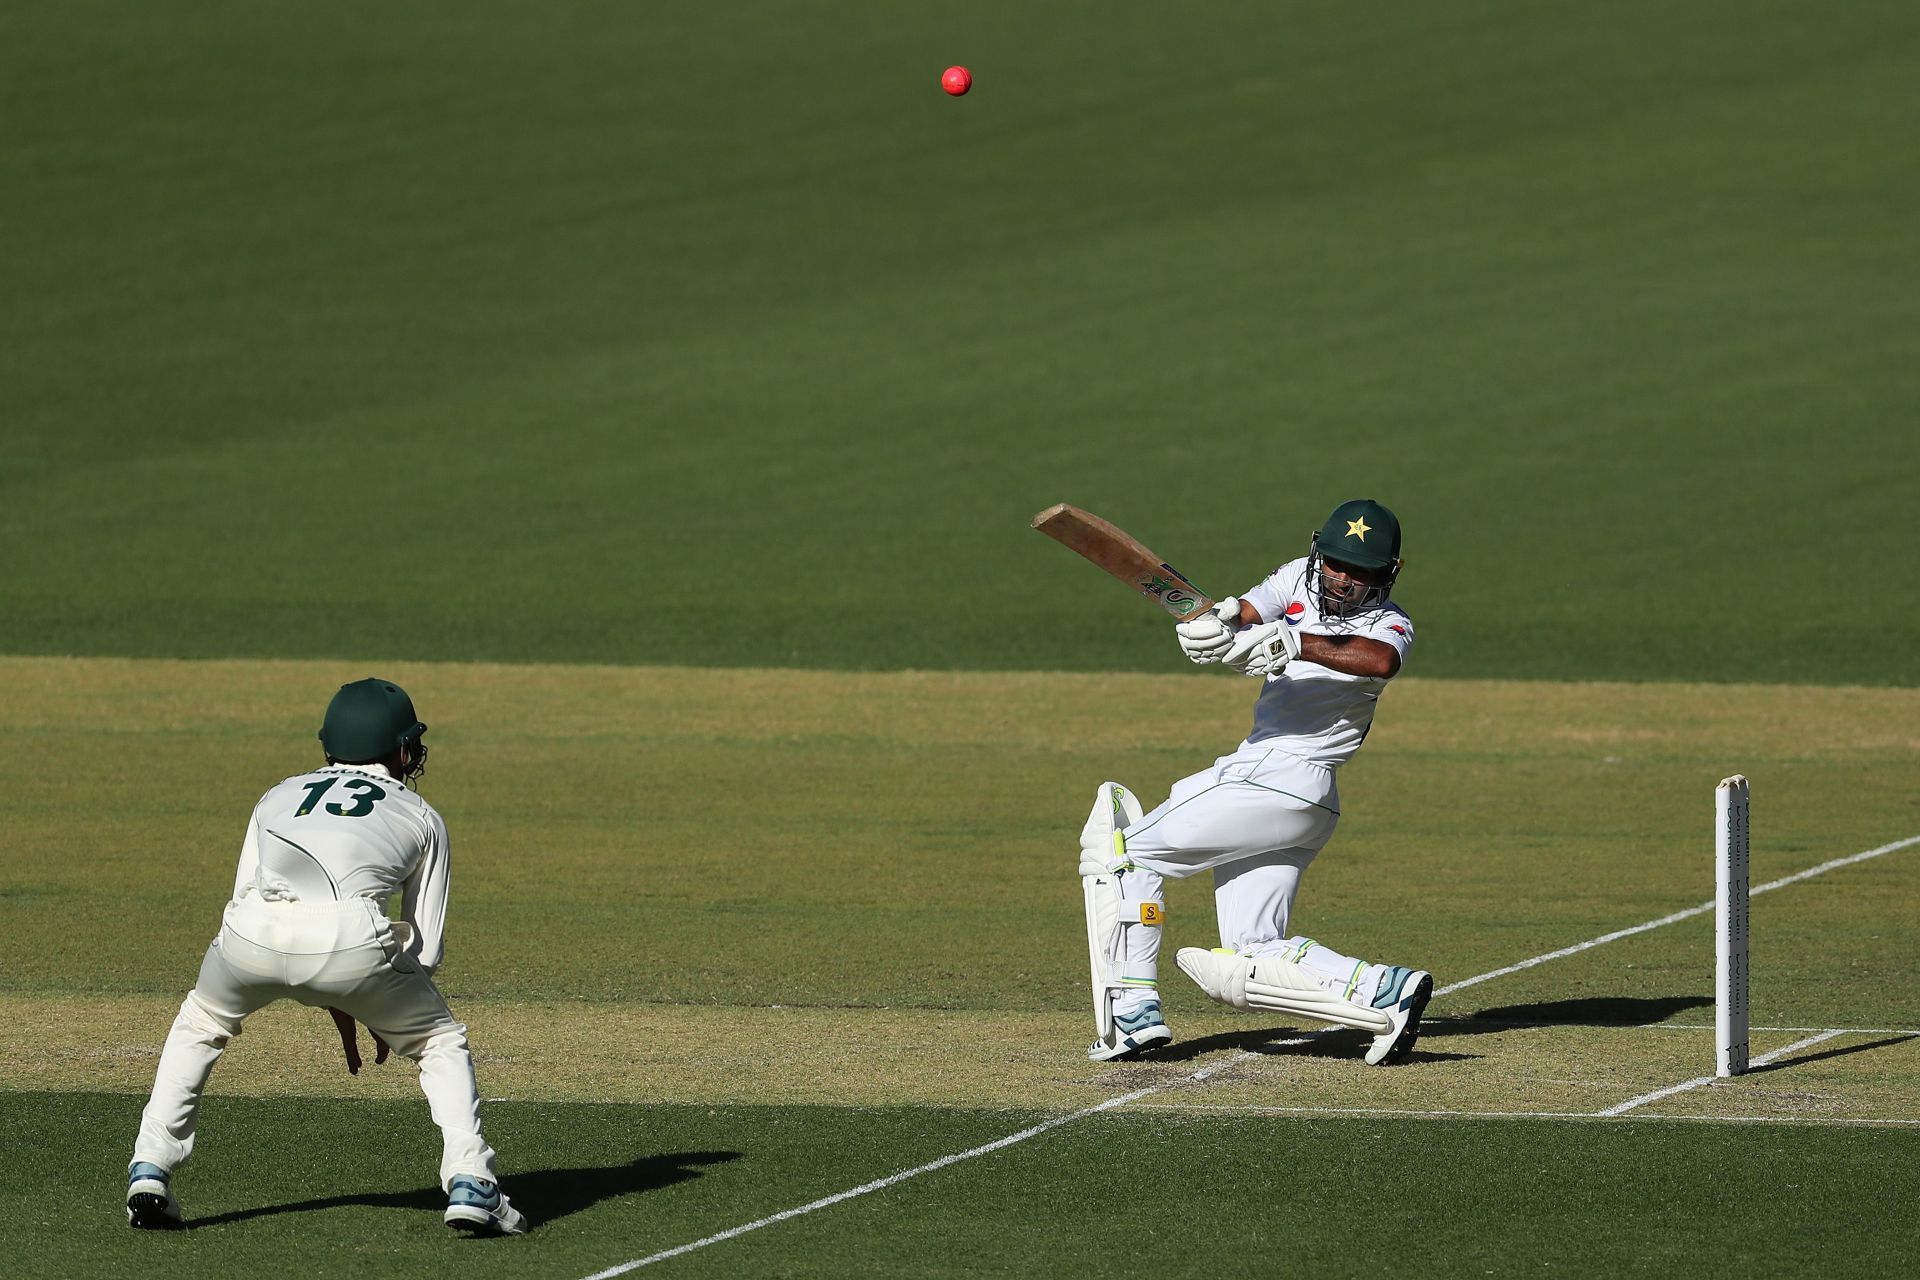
(1360, 534)
(369, 720)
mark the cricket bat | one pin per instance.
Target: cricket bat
(1125, 557)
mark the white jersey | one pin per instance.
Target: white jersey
(351, 831)
(1305, 709)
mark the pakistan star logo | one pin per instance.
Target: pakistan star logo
(1359, 528)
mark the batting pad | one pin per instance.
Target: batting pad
(1276, 985)
(1103, 847)
(1103, 855)
(1104, 943)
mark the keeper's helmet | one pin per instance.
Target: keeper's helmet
(1361, 543)
(369, 720)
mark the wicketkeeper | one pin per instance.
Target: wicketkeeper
(1324, 638)
(324, 853)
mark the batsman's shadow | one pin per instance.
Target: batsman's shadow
(1591, 1011)
(1803, 1059)
(1280, 1042)
(546, 1195)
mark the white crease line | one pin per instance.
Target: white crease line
(1362, 1113)
(1697, 1081)
(1824, 867)
(1200, 1075)
(880, 1183)
(1656, 1026)
(866, 1187)
(1575, 949)
(1678, 916)
(1845, 1031)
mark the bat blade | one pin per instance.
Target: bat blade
(1125, 557)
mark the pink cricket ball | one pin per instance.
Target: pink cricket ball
(956, 80)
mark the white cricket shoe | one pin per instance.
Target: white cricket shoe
(150, 1202)
(1133, 1034)
(1403, 997)
(480, 1208)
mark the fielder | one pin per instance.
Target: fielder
(1324, 638)
(322, 856)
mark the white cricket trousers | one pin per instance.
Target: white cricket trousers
(339, 954)
(1257, 817)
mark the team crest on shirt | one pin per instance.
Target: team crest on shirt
(1296, 612)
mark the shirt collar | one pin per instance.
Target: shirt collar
(376, 769)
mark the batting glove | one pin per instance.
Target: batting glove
(1208, 636)
(1262, 650)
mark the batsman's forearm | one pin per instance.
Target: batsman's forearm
(1354, 655)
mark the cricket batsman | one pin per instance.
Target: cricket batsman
(323, 855)
(1323, 637)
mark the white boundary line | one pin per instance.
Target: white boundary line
(1202, 1074)
(1697, 1081)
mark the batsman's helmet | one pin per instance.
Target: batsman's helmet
(369, 720)
(1364, 535)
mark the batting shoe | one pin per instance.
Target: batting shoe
(480, 1208)
(1403, 996)
(150, 1202)
(1133, 1034)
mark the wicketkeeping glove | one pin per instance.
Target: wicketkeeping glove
(1207, 637)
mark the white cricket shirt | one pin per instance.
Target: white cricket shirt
(351, 831)
(1311, 711)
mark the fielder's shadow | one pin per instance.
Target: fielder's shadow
(546, 1195)
(1271, 1042)
(1593, 1011)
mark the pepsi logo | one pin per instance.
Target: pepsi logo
(1295, 613)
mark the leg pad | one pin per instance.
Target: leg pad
(1102, 859)
(1273, 984)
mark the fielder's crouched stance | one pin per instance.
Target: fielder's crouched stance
(322, 855)
(1324, 639)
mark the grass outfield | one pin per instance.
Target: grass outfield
(764, 1011)
(1362, 1197)
(485, 331)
